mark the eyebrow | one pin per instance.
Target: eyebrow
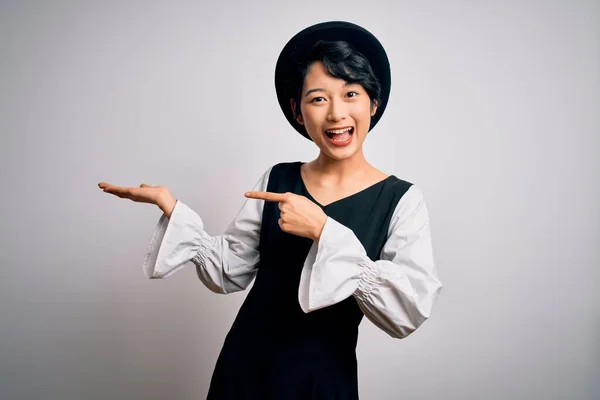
(323, 90)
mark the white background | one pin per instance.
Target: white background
(494, 114)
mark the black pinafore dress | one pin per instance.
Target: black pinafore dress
(276, 351)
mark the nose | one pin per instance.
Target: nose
(337, 111)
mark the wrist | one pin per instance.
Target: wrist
(319, 228)
(167, 203)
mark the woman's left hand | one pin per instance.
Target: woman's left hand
(299, 215)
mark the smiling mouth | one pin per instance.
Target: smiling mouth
(340, 134)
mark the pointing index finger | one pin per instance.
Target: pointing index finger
(268, 196)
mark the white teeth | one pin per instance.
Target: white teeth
(339, 131)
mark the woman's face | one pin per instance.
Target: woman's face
(336, 114)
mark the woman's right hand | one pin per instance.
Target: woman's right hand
(159, 195)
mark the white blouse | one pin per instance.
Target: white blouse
(396, 293)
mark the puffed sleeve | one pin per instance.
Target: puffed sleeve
(226, 263)
(397, 292)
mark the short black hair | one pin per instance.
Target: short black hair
(341, 60)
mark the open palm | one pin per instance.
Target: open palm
(143, 194)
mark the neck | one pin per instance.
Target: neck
(340, 171)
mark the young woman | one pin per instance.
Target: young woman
(326, 242)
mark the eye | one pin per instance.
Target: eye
(353, 93)
(314, 100)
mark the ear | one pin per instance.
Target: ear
(298, 116)
(374, 105)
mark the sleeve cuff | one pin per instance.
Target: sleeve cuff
(333, 268)
(173, 243)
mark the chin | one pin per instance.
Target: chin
(340, 154)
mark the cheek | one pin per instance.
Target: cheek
(312, 123)
(362, 113)
(314, 116)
